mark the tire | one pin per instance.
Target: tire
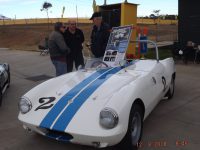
(170, 92)
(8, 81)
(1, 97)
(135, 128)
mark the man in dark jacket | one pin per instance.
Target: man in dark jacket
(58, 49)
(100, 35)
(74, 38)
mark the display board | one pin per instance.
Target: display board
(117, 45)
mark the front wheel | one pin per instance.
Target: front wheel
(1, 97)
(134, 133)
(8, 81)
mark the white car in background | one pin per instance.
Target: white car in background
(99, 106)
(4, 79)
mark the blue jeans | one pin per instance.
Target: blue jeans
(61, 67)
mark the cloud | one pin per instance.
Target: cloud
(7, 1)
(29, 2)
(12, 2)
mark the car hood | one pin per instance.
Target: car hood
(59, 103)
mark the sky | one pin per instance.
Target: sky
(31, 8)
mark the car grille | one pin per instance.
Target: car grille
(60, 136)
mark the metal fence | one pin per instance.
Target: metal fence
(157, 21)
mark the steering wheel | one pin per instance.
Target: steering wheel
(98, 64)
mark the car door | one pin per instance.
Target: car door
(160, 85)
(155, 87)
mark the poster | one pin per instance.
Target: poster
(117, 45)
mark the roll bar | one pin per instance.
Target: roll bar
(151, 42)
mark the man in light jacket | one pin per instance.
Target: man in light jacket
(58, 49)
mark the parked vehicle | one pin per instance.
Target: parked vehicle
(4, 79)
(101, 106)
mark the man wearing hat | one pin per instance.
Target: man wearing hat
(100, 35)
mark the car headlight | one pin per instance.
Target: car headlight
(108, 118)
(24, 105)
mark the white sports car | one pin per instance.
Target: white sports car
(100, 107)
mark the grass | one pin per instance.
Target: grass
(163, 53)
(28, 37)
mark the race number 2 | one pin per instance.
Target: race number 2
(46, 103)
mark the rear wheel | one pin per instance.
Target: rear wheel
(134, 133)
(170, 92)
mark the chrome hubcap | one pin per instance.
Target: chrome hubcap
(136, 128)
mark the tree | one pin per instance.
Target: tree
(156, 13)
(45, 7)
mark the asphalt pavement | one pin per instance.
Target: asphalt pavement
(174, 124)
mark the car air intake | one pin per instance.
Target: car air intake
(60, 136)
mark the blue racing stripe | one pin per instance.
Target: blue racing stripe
(71, 110)
(60, 105)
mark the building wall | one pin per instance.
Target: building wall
(189, 21)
